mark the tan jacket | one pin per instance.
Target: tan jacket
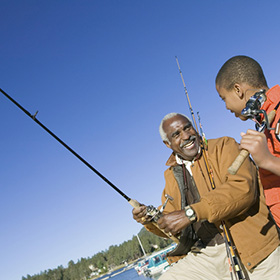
(237, 199)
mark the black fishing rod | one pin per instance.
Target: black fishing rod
(33, 117)
(152, 212)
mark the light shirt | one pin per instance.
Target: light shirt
(187, 163)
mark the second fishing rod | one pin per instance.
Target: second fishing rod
(235, 267)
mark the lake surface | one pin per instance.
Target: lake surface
(129, 274)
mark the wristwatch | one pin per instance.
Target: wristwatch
(190, 213)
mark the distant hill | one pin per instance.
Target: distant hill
(106, 260)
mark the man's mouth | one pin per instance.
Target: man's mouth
(188, 143)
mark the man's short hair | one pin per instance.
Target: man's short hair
(241, 69)
(162, 133)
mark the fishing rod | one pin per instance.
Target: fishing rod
(201, 129)
(33, 117)
(204, 145)
(152, 212)
(235, 267)
(187, 95)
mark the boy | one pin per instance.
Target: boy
(238, 79)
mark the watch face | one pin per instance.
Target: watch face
(189, 212)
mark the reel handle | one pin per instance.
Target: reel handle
(244, 153)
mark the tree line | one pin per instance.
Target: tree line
(104, 261)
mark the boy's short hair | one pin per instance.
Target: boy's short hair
(241, 69)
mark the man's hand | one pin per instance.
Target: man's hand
(174, 222)
(139, 214)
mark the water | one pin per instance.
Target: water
(129, 274)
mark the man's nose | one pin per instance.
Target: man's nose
(186, 135)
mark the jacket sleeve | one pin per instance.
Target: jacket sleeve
(234, 194)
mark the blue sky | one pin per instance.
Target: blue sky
(102, 74)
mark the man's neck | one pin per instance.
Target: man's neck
(181, 160)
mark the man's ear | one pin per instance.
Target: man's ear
(167, 144)
(238, 90)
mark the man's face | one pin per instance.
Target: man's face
(234, 100)
(183, 138)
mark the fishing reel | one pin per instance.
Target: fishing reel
(154, 213)
(253, 110)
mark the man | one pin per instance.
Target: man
(197, 209)
(238, 79)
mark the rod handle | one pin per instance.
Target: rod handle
(238, 162)
(244, 153)
(134, 203)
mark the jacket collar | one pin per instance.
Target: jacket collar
(172, 160)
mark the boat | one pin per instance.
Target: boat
(142, 266)
(155, 264)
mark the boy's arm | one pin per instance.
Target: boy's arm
(255, 142)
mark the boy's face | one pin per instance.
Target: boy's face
(234, 100)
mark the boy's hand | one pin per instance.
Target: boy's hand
(255, 142)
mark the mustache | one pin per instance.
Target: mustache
(192, 138)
